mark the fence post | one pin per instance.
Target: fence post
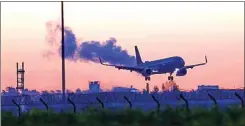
(102, 104)
(129, 102)
(186, 102)
(158, 104)
(17, 106)
(239, 97)
(73, 104)
(44, 103)
(214, 100)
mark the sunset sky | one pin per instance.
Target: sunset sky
(189, 30)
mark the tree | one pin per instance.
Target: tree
(163, 87)
(3, 92)
(10, 89)
(52, 92)
(156, 89)
(175, 88)
(78, 90)
(58, 91)
(68, 91)
(147, 87)
(45, 92)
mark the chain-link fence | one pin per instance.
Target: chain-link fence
(116, 100)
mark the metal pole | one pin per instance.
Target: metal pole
(17, 78)
(23, 75)
(63, 50)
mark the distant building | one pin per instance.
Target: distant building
(29, 92)
(124, 89)
(207, 87)
(94, 86)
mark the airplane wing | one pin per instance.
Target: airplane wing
(123, 67)
(192, 66)
(157, 72)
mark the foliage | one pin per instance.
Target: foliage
(94, 117)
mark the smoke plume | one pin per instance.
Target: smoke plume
(108, 51)
(70, 44)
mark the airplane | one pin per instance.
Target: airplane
(168, 65)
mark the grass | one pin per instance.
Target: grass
(169, 117)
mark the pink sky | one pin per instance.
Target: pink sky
(189, 30)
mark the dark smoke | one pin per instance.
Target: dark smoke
(108, 51)
(70, 43)
(54, 32)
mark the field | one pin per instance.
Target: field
(169, 117)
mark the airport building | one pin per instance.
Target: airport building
(94, 86)
(207, 87)
(124, 89)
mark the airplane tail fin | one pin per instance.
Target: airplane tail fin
(137, 54)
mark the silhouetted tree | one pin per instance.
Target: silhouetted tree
(45, 92)
(147, 87)
(175, 88)
(78, 90)
(156, 89)
(163, 87)
(68, 91)
(11, 89)
(58, 91)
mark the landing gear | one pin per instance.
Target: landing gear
(147, 78)
(170, 78)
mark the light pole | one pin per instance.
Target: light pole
(63, 50)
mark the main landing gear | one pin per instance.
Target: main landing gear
(147, 78)
(170, 78)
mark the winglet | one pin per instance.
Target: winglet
(103, 63)
(100, 61)
(206, 60)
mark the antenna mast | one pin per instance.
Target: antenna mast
(20, 76)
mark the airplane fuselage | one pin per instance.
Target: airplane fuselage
(162, 66)
(166, 65)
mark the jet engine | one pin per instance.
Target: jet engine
(147, 72)
(181, 72)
